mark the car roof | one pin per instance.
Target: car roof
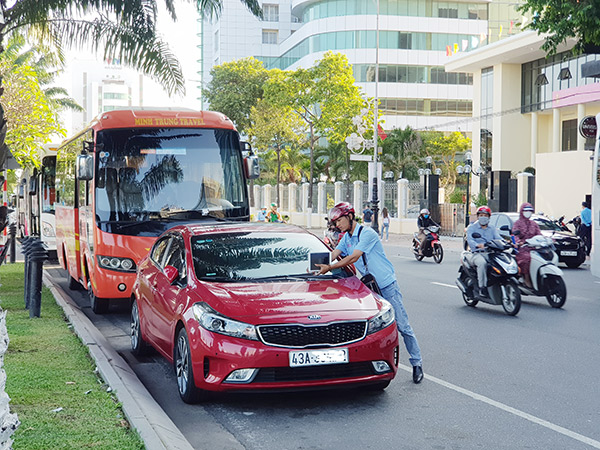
(515, 215)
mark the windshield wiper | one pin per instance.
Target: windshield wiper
(297, 277)
(189, 214)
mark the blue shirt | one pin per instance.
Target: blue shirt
(487, 234)
(586, 216)
(261, 215)
(370, 244)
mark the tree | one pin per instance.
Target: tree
(31, 119)
(274, 128)
(324, 96)
(402, 152)
(120, 29)
(443, 150)
(563, 19)
(235, 88)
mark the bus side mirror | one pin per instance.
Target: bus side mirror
(22, 190)
(252, 167)
(85, 167)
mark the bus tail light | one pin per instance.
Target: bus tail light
(116, 263)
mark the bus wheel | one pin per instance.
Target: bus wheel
(98, 305)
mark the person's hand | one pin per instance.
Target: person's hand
(323, 268)
(480, 245)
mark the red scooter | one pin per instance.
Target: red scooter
(431, 246)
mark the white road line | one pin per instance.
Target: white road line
(508, 409)
(444, 284)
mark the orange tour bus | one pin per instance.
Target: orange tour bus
(134, 173)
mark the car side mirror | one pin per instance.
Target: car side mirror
(171, 273)
(476, 235)
(516, 232)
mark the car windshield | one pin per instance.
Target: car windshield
(147, 174)
(547, 224)
(259, 256)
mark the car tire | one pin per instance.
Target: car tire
(139, 347)
(98, 305)
(184, 372)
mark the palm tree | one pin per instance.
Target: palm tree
(119, 29)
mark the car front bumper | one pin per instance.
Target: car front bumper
(215, 357)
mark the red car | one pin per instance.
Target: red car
(238, 307)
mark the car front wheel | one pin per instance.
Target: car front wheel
(184, 372)
(139, 347)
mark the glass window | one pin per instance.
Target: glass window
(503, 220)
(270, 13)
(269, 36)
(175, 256)
(158, 251)
(569, 135)
(251, 255)
(148, 178)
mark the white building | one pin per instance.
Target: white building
(526, 110)
(415, 39)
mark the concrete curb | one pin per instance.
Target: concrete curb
(156, 429)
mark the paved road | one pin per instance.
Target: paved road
(491, 381)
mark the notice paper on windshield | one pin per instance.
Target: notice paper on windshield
(318, 258)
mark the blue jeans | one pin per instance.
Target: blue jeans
(393, 295)
(385, 227)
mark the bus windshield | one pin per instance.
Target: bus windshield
(157, 173)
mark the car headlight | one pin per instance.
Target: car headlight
(383, 319)
(116, 263)
(211, 320)
(48, 230)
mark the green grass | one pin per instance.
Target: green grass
(48, 367)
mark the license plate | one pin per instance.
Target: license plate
(318, 357)
(568, 253)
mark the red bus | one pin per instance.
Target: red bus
(132, 174)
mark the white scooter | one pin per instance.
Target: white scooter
(546, 278)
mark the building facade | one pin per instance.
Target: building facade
(416, 39)
(526, 111)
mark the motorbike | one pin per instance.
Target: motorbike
(546, 278)
(332, 234)
(431, 246)
(502, 271)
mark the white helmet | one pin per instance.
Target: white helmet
(424, 211)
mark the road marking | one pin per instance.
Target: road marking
(511, 410)
(444, 284)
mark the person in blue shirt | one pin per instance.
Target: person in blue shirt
(359, 240)
(585, 229)
(477, 244)
(367, 216)
(261, 216)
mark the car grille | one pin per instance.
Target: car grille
(301, 336)
(566, 245)
(313, 373)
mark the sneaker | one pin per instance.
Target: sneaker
(483, 292)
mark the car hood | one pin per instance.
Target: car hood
(559, 234)
(277, 302)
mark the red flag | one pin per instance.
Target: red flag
(380, 132)
(448, 50)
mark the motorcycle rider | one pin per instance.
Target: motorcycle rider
(487, 233)
(527, 228)
(423, 221)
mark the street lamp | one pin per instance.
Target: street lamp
(468, 170)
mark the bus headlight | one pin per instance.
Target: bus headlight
(48, 230)
(116, 263)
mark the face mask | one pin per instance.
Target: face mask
(484, 220)
(426, 216)
(527, 214)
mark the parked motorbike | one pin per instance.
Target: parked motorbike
(546, 278)
(332, 234)
(431, 246)
(502, 271)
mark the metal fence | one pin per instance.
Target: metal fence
(452, 217)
